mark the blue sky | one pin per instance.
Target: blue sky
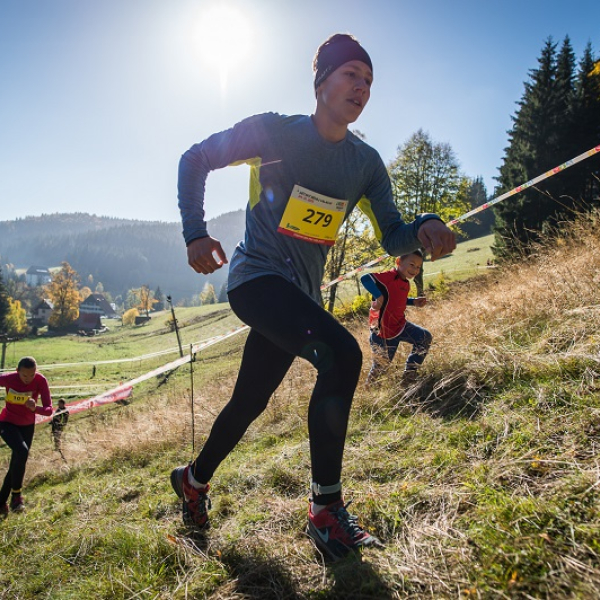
(99, 99)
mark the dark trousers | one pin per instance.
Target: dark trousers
(385, 350)
(18, 438)
(286, 323)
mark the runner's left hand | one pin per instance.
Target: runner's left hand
(437, 239)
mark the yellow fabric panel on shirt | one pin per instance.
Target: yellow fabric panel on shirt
(364, 204)
(255, 186)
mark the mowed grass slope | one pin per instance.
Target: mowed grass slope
(482, 480)
(93, 365)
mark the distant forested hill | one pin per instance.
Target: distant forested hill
(120, 253)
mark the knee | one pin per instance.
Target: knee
(345, 354)
(352, 355)
(427, 339)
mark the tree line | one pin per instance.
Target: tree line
(558, 118)
(117, 255)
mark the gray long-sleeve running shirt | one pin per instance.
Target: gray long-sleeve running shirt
(302, 187)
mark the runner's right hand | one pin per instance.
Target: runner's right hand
(201, 255)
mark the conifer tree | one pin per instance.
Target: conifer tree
(531, 151)
(481, 223)
(159, 299)
(549, 128)
(586, 129)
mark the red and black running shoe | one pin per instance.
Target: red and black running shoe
(195, 503)
(336, 532)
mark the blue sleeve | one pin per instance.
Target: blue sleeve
(236, 145)
(410, 302)
(369, 284)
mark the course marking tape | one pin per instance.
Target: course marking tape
(481, 208)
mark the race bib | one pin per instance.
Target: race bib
(13, 397)
(312, 217)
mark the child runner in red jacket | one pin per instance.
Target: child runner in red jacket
(387, 321)
(17, 424)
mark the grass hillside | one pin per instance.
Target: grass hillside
(482, 479)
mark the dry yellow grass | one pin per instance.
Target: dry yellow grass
(481, 479)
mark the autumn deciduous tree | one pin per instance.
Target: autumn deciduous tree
(64, 293)
(426, 178)
(4, 303)
(84, 293)
(147, 300)
(354, 245)
(208, 295)
(15, 321)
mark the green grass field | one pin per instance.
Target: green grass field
(152, 344)
(482, 479)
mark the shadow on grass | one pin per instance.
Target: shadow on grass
(457, 395)
(260, 577)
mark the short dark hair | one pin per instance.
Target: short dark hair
(418, 252)
(27, 362)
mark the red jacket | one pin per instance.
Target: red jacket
(17, 393)
(390, 319)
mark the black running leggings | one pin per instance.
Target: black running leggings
(285, 323)
(18, 438)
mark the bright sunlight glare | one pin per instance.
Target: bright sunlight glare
(225, 38)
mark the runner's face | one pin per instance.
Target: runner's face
(346, 91)
(409, 266)
(27, 375)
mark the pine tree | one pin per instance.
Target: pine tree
(531, 151)
(481, 223)
(223, 293)
(159, 299)
(586, 129)
(558, 118)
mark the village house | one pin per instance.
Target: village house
(97, 304)
(37, 276)
(41, 313)
(91, 310)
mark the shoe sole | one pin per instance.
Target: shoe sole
(177, 485)
(177, 481)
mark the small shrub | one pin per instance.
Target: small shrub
(359, 307)
(129, 316)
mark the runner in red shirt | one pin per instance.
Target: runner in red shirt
(17, 424)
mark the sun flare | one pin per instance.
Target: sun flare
(225, 38)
